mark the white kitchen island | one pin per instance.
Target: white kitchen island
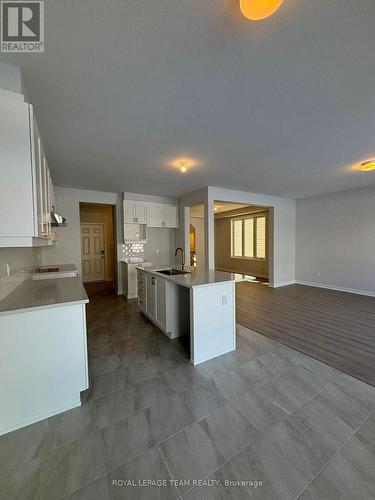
(200, 303)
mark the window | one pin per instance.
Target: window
(249, 237)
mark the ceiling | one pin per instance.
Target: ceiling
(282, 106)
(219, 207)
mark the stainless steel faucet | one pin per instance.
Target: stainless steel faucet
(183, 256)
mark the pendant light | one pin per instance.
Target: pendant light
(259, 9)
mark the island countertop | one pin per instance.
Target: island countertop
(196, 276)
(43, 294)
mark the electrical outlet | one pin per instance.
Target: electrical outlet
(224, 300)
(317, 274)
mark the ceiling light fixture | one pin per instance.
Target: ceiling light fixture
(367, 166)
(259, 9)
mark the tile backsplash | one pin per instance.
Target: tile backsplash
(130, 250)
(20, 262)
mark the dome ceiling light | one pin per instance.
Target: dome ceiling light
(259, 9)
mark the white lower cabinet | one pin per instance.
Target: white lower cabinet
(43, 364)
(164, 303)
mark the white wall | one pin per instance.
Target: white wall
(336, 238)
(282, 227)
(68, 249)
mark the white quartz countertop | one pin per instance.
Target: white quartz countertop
(197, 276)
(43, 294)
(135, 260)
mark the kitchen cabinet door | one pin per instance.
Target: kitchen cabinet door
(141, 213)
(155, 215)
(38, 191)
(129, 212)
(170, 218)
(161, 303)
(16, 199)
(151, 296)
(135, 212)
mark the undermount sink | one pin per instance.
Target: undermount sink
(173, 272)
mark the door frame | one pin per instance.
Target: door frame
(105, 246)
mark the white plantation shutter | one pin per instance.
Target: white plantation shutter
(261, 238)
(237, 238)
(248, 228)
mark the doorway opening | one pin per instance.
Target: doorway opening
(98, 246)
(196, 236)
(242, 239)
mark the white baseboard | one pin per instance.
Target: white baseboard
(24, 423)
(282, 283)
(356, 291)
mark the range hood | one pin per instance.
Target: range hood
(57, 220)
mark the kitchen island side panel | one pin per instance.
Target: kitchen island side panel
(213, 325)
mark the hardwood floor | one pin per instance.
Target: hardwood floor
(334, 327)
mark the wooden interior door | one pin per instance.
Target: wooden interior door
(92, 252)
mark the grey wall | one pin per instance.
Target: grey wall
(10, 78)
(335, 239)
(21, 261)
(160, 246)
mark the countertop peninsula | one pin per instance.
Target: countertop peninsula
(43, 294)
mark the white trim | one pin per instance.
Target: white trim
(43, 416)
(356, 291)
(282, 283)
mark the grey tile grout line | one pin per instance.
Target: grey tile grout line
(337, 452)
(169, 470)
(262, 434)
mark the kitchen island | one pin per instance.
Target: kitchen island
(192, 301)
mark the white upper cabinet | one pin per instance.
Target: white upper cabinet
(159, 215)
(26, 190)
(171, 216)
(155, 215)
(135, 212)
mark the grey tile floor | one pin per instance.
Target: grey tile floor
(264, 421)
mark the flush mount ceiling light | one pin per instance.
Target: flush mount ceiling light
(367, 166)
(259, 9)
(183, 164)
